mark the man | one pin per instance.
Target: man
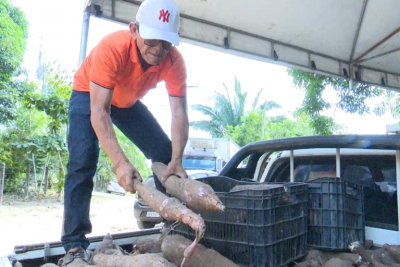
(119, 71)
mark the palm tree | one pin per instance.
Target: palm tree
(226, 111)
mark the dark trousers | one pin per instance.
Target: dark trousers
(137, 123)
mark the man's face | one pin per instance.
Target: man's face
(152, 55)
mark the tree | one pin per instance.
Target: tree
(54, 104)
(13, 34)
(352, 101)
(226, 111)
(275, 127)
(33, 124)
(18, 142)
(11, 92)
(37, 134)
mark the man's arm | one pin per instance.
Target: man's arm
(100, 107)
(180, 133)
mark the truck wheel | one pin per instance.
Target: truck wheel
(145, 225)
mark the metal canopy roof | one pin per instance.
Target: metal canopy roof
(358, 39)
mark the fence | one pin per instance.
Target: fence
(25, 184)
(2, 178)
(17, 184)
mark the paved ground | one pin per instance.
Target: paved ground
(37, 221)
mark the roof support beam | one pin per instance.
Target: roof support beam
(87, 4)
(379, 55)
(113, 8)
(381, 71)
(376, 45)
(84, 37)
(360, 21)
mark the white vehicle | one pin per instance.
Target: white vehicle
(208, 153)
(393, 129)
(114, 187)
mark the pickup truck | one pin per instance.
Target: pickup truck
(284, 160)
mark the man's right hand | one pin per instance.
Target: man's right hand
(126, 173)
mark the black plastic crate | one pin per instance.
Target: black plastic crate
(259, 227)
(336, 213)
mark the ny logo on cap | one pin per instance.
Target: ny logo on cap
(164, 15)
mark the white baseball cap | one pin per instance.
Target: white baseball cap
(159, 19)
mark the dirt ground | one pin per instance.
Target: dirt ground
(39, 220)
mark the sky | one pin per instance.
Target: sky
(57, 27)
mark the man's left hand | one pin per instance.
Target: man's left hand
(175, 168)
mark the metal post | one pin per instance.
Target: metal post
(291, 165)
(263, 123)
(3, 176)
(84, 37)
(34, 171)
(46, 179)
(27, 181)
(351, 75)
(398, 183)
(338, 174)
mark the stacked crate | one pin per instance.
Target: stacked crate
(336, 213)
(265, 225)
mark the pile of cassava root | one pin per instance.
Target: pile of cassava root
(359, 255)
(160, 250)
(164, 250)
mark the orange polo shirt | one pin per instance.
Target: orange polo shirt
(114, 64)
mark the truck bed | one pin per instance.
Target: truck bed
(35, 255)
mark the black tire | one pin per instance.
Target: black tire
(145, 225)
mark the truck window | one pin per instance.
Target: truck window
(199, 163)
(261, 165)
(280, 171)
(377, 174)
(325, 170)
(356, 173)
(305, 169)
(389, 174)
(244, 171)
